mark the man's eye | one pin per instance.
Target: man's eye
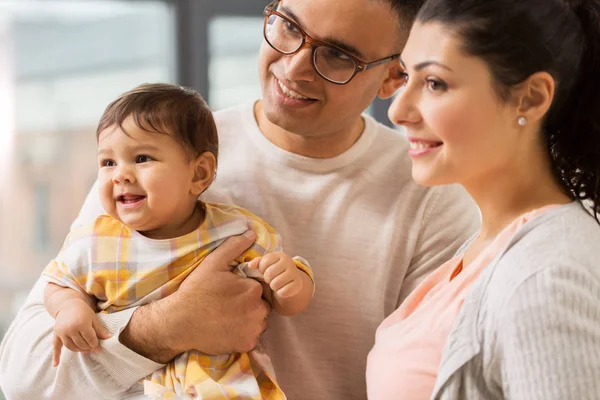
(404, 77)
(290, 27)
(339, 54)
(142, 159)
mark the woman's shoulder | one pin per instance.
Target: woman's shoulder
(567, 235)
(556, 253)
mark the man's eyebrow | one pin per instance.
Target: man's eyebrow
(336, 42)
(425, 64)
(345, 46)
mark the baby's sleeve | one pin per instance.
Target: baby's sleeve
(70, 268)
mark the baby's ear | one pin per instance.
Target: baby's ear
(205, 166)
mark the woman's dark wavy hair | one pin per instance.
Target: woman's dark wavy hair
(520, 37)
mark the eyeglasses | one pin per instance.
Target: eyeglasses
(331, 63)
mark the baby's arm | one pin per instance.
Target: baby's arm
(292, 287)
(76, 325)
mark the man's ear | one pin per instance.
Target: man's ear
(394, 80)
(205, 166)
(534, 96)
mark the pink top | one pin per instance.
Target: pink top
(404, 362)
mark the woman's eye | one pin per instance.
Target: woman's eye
(142, 159)
(436, 86)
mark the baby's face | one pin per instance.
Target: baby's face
(144, 178)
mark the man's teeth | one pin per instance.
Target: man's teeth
(422, 145)
(290, 93)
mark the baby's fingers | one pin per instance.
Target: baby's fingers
(75, 343)
(254, 263)
(100, 330)
(291, 289)
(90, 338)
(56, 349)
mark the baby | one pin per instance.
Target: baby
(157, 152)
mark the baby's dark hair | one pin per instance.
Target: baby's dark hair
(517, 38)
(166, 109)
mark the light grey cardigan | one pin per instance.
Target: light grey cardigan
(529, 328)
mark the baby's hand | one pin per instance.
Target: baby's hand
(280, 272)
(78, 328)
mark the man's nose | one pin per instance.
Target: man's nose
(299, 66)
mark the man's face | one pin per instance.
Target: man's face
(300, 101)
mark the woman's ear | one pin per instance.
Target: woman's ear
(205, 167)
(534, 96)
(394, 80)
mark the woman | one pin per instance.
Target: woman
(503, 97)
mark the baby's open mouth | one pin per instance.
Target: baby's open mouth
(130, 198)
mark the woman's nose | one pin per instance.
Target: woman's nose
(403, 110)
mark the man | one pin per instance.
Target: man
(335, 184)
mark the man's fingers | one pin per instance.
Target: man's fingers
(266, 311)
(229, 250)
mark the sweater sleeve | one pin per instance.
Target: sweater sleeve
(91, 208)
(26, 370)
(548, 341)
(450, 217)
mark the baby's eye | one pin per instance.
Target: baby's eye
(107, 163)
(142, 159)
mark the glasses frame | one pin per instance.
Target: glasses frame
(359, 65)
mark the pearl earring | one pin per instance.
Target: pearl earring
(522, 121)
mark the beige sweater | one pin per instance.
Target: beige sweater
(370, 233)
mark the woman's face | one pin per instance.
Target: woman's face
(459, 129)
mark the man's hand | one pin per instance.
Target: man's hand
(224, 312)
(213, 311)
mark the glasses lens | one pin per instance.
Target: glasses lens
(334, 64)
(282, 35)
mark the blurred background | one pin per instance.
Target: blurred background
(61, 63)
